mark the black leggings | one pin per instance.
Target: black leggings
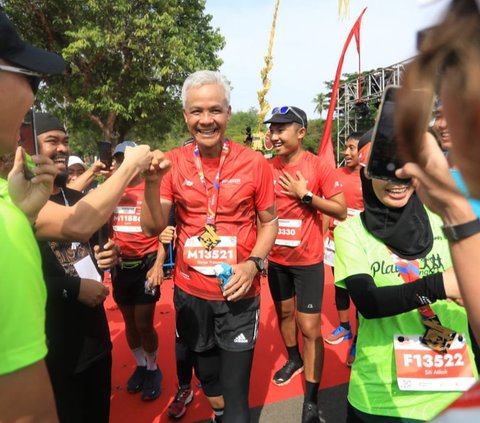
(342, 299)
(227, 373)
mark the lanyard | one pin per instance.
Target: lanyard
(212, 193)
(410, 271)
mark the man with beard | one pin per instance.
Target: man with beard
(79, 357)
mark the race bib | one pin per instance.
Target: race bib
(203, 261)
(127, 219)
(420, 368)
(289, 232)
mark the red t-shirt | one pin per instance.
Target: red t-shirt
(246, 187)
(300, 240)
(127, 232)
(352, 190)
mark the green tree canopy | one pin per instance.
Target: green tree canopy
(128, 60)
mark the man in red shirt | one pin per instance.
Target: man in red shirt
(349, 177)
(304, 186)
(134, 288)
(225, 212)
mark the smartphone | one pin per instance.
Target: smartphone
(105, 153)
(29, 142)
(384, 158)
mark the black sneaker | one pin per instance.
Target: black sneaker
(310, 413)
(151, 386)
(135, 382)
(287, 372)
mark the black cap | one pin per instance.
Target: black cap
(18, 52)
(45, 122)
(288, 114)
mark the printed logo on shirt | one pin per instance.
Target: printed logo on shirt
(187, 183)
(428, 266)
(235, 181)
(240, 339)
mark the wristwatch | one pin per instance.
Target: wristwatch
(464, 230)
(307, 198)
(259, 264)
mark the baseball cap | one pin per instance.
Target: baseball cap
(18, 52)
(73, 160)
(288, 114)
(120, 148)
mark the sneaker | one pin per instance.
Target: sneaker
(289, 370)
(310, 413)
(338, 335)
(135, 382)
(151, 385)
(351, 354)
(178, 407)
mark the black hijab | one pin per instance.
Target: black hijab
(406, 231)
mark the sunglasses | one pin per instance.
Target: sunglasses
(284, 110)
(34, 78)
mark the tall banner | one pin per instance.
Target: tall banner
(325, 150)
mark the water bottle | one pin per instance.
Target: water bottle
(223, 271)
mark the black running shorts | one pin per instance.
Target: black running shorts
(306, 283)
(203, 324)
(129, 284)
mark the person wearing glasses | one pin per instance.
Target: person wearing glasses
(25, 390)
(225, 212)
(305, 188)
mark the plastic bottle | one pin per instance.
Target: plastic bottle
(223, 271)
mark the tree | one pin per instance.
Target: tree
(321, 104)
(128, 59)
(238, 124)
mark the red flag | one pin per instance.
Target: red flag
(325, 150)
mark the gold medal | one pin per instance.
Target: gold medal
(437, 337)
(209, 238)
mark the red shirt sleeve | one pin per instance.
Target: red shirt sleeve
(265, 190)
(330, 185)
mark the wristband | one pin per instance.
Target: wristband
(462, 231)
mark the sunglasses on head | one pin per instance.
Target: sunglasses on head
(284, 110)
(33, 78)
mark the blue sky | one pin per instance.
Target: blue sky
(308, 42)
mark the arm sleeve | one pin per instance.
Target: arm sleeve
(375, 302)
(65, 286)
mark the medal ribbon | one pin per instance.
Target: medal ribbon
(212, 194)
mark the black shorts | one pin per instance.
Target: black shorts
(128, 283)
(304, 282)
(204, 324)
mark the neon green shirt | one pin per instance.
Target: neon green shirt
(373, 387)
(22, 290)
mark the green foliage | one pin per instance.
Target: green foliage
(238, 123)
(128, 60)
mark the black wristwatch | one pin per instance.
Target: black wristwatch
(464, 230)
(259, 263)
(307, 198)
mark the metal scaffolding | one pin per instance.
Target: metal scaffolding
(350, 113)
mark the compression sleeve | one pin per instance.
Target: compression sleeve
(375, 302)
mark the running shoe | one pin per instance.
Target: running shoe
(151, 386)
(351, 354)
(135, 382)
(338, 335)
(178, 407)
(289, 370)
(310, 413)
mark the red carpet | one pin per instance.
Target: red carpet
(269, 356)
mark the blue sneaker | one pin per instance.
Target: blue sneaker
(351, 355)
(338, 335)
(152, 384)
